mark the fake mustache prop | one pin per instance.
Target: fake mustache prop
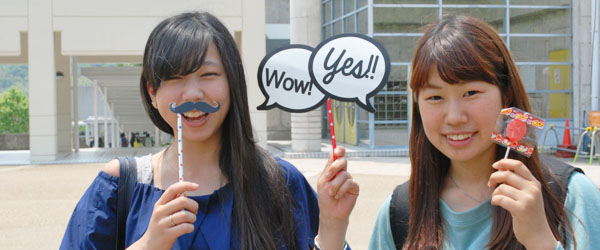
(189, 106)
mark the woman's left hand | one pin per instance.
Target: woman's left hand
(520, 193)
(337, 193)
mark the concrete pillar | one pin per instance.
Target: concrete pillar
(43, 133)
(305, 28)
(75, 102)
(63, 98)
(96, 115)
(253, 50)
(105, 118)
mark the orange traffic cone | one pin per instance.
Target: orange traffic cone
(566, 144)
(567, 135)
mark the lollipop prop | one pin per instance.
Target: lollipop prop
(188, 107)
(516, 130)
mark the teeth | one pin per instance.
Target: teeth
(459, 137)
(193, 114)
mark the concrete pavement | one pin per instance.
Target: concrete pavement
(37, 201)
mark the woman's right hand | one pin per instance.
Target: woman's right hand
(173, 216)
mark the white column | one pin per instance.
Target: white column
(43, 131)
(305, 28)
(75, 103)
(96, 114)
(253, 50)
(105, 117)
(595, 55)
(87, 134)
(112, 125)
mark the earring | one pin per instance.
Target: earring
(154, 105)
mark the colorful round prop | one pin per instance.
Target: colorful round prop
(515, 130)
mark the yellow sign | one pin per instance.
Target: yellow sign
(560, 79)
(350, 130)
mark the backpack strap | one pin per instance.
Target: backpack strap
(400, 203)
(561, 171)
(400, 214)
(127, 181)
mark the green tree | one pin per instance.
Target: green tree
(14, 111)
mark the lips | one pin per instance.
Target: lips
(459, 137)
(194, 115)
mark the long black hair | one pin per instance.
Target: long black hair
(262, 205)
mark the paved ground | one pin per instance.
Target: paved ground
(37, 201)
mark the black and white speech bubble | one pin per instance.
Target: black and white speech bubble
(285, 81)
(350, 67)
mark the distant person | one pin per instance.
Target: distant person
(123, 140)
(101, 142)
(237, 195)
(132, 139)
(462, 193)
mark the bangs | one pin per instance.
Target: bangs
(177, 50)
(456, 59)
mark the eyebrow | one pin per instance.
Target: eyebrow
(210, 62)
(431, 86)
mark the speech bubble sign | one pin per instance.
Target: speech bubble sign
(285, 82)
(350, 67)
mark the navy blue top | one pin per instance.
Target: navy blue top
(93, 223)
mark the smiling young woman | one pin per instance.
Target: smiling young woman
(462, 194)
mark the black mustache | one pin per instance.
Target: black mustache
(189, 106)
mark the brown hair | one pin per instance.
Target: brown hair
(463, 48)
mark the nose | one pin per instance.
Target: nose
(192, 90)
(456, 113)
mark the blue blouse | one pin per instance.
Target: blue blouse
(93, 223)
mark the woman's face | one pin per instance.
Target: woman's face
(208, 84)
(459, 119)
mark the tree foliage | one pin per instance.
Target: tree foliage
(14, 111)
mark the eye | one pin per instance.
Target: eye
(472, 92)
(433, 98)
(172, 78)
(207, 74)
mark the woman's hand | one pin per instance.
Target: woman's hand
(173, 216)
(520, 193)
(337, 193)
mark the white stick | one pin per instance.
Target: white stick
(507, 151)
(180, 147)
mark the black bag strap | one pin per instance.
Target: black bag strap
(400, 203)
(400, 214)
(561, 171)
(127, 181)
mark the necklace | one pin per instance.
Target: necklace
(464, 192)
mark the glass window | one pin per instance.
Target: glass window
(401, 49)
(540, 21)
(537, 49)
(327, 12)
(551, 105)
(546, 77)
(474, 2)
(337, 8)
(406, 1)
(327, 31)
(363, 22)
(349, 24)
(361, 3)
(390, 107)
(494, 17)
(348, 6)
(403, 20)
(338, 27)
(397, 81)
(538, 2)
